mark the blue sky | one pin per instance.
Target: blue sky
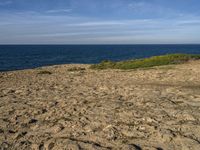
(99, 21)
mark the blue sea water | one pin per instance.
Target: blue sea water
(15, 57)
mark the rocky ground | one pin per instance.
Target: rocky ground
(62, 107)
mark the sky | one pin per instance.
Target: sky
(99, 22)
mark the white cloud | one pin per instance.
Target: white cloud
(63, 28)
(189, 22)
(5, 3)
(99, 23)
(137, 5)
(59, 11)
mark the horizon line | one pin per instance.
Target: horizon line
(104, 44)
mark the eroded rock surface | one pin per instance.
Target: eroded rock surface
(60, 107)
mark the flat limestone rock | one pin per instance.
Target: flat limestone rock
(74, 107)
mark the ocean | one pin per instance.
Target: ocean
(17, 57)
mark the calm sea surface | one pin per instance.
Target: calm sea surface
(15, 57)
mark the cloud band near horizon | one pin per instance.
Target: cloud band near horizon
(99, 22)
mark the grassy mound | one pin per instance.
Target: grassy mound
(147, 62)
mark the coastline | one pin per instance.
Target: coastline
(61, 107)
(19, 57)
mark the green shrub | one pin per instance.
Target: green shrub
(146, 62)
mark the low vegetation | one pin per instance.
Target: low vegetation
(168, 59)
(76, 69)
(44, 72)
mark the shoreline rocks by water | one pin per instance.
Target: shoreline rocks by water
(74, 107)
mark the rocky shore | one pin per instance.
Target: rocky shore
(76, 108)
